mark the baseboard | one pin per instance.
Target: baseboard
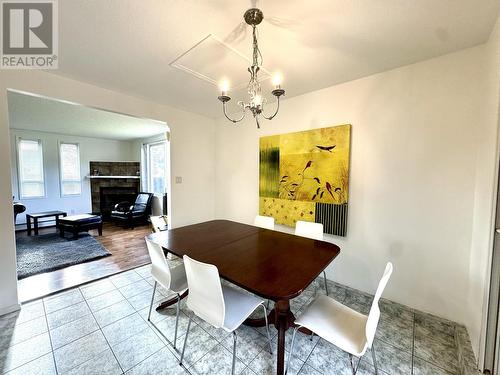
(22, 227)
(9, 309)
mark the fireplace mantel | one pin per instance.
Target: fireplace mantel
(108, 177)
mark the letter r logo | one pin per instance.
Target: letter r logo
(27, 28)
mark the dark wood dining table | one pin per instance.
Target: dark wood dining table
(271, 264)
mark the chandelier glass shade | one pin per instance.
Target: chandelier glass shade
(256, 102)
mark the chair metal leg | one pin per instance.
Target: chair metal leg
(267, 329)
(152, 300)
(291, 349)
(352, 365)
(326, 282)
(177, 320)
(354, 368)
(374, 358)
(234, 353)
(186, 338)
(316, 287)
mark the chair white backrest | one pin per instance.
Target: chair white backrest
(158, 222)
(160, 270)
(265, 222)
(205, 296)
(309, 229)
(374, 314)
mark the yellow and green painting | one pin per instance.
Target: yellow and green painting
(305, 176)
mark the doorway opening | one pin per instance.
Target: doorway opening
(74, 170)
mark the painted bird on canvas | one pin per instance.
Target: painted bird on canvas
(326, 148)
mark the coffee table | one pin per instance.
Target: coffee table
(39, 215)
(80, 223)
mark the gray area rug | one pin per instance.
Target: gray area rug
(49, 252)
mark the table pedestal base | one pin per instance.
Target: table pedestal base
(170, 302)
(283, 319)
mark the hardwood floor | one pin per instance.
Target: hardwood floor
(128, 250)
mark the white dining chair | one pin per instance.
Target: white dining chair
(171, 278)
(221, 306)
(314, 231)
(265, 222)
(159, 223)
(342, 326)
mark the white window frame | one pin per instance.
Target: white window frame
(147, 168)
(19, 169)
(61, 181)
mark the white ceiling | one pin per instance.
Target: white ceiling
(127, 45)
(29, 112)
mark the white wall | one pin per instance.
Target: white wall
(91, 149)
(484, 196)
(192, 155)
(412, 188)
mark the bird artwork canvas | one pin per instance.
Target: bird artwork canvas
(305, 176)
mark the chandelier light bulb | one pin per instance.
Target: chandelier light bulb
(257, 100)
(224, 86)
(277, 79)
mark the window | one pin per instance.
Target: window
(69, 160)
(30, 157)
(156, 167)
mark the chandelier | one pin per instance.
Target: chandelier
(253, 17)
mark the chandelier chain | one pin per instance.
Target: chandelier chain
(256, 49)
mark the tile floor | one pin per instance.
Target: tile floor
(102, 328)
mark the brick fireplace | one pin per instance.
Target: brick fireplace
(112, 183)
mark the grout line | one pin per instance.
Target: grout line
(23, 341)
(12, 316)
(72, 341)
(304, 364)
(50, 338)
(105, 338)
(70, 321)
(438, 367)
(149, 356)
(151, 325)
(261, 348)
(208, 351)
(65, 307)
(31, 360)
(105, 307)
(432, 363)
